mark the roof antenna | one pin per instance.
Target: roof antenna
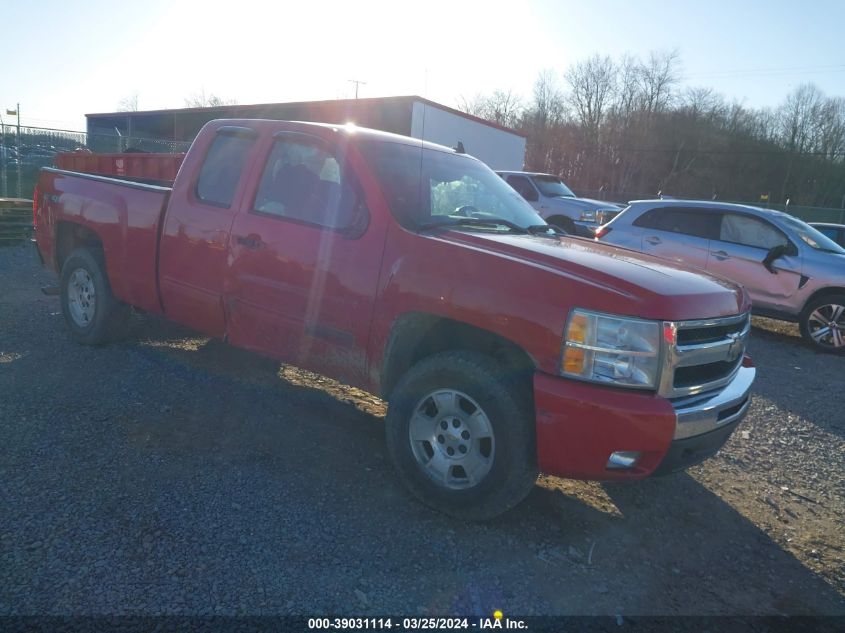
(459, 148)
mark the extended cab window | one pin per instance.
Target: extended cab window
(523, 187)
(698, 223)
(750, 231)
(221, 170)
(303, 181)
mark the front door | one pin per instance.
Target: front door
(305, 260)
(738, 254)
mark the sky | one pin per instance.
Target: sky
(75, 57)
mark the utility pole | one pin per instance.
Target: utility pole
(17, 111)
(357, 83)
(4, 160)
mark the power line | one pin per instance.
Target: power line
(357, 83)
(768, 72)
(658, 150)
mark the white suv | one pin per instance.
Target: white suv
(556, 203)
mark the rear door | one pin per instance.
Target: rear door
(195, 238)
(679, 234)
(305, 257)
(738, 253)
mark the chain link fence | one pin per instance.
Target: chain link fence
(806, 213)
(25, 150)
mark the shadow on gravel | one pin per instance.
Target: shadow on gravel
(301, 474)
(797, 378)
(670, 545)
(197, 479)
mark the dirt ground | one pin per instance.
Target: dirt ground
(172, 474)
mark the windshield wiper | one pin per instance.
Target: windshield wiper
(480, 222)
(544, 230)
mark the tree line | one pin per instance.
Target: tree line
(624, 128)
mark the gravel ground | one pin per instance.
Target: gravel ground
(169, 474)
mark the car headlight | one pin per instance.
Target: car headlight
(612, 349)
(605, 215)
(588, 216)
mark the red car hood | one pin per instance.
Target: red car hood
(639, 285)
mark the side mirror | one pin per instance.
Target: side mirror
(776, 252)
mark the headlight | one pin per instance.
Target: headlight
(611, 349)
(588, 216)
(605, 215)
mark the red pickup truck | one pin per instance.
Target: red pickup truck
(413, 271)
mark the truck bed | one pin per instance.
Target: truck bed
(158, 169)
(125, 215)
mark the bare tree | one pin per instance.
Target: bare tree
(831, 128)
(210, 100)
(656, 77)
(799, 116)
(625, 128)
(702, 103)
(592, 85)
(548, 103)
(627, 87)
(502, 107)
(129, 103)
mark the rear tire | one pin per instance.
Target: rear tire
(91, 311)
(822, 324)
(483, 461)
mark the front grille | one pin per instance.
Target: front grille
(698, 335)
(705, 356)
(698, 374)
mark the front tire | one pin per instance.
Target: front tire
(92, 313)
(822, 324)
(461, 436)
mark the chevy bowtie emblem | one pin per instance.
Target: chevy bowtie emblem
(735, 348)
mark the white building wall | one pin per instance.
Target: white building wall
(498, 148)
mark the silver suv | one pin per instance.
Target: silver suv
(792, 271)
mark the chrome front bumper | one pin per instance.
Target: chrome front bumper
(697, 415)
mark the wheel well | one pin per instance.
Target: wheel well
(69, 237)
(417, 336)
(823, 292)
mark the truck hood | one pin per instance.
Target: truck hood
(614, 279)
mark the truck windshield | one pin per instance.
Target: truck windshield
(812, 237)
(552, 187)
(429, 187)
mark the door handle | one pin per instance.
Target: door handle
(721, 255)
(252, 242)
(653, 240)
